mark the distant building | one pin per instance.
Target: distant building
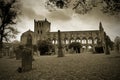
(88, 39)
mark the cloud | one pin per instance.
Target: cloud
(30, 13)
(59, 15)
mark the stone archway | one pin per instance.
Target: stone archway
(90, 48)
(84, 48)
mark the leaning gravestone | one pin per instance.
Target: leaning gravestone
(27, 59)
(60, 52)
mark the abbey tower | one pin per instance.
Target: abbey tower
(41, 28)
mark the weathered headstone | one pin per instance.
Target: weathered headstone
(60, 52)
(27, 59)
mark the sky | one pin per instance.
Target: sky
(65, 19)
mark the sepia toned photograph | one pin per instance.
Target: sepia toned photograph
(59, 39)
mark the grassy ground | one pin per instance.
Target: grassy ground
(84, 66)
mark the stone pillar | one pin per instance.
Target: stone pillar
(93, 46)
(60, 52)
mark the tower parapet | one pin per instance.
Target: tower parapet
(41, 28)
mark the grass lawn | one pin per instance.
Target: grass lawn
(83, 66)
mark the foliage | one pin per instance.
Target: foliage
(18, 51)
(84, 6)
(74, 45)
(111, 6)
(44, 47)
(18, 48)
(111, 45)
(110, 42)
(9, 10)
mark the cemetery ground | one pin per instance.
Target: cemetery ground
(83, 66)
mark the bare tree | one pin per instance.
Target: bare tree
(9, 9)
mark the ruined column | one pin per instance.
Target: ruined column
(60, 52)
(93, 48)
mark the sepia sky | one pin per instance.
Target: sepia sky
(66, 19)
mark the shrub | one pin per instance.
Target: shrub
(45, 47)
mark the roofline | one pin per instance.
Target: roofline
(76, 31)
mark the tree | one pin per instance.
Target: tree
(110, 43)
(76, 46)
(44, 47)
(9, 9)
(84, 6)
(117, 43)
(107, 45)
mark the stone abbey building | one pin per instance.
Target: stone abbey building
(89, 39)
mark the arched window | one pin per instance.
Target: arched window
(84, 41)
(56, 42)
(38, 31)
(96, 40)
(53, 41)
(78, 40)
(72, 40)
(66, 41)
(89, 40)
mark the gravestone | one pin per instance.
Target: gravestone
(27, 59)
(60, 52)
